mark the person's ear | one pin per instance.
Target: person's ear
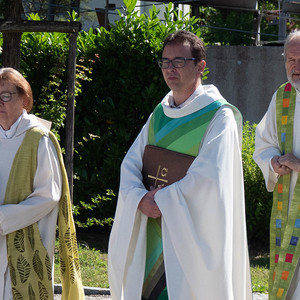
(201, 66)
(25, 103)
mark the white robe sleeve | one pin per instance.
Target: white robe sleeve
(129, 229)
(203, 222)
(266, 145)
(46, 192)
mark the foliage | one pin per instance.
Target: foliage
(258, 200)
(93, 266)
(233, 27)
(44, 59)
(118, 83)
(260, 265)
(226, 27)
(50, 9)
(126, 84)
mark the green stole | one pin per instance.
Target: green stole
(28, 260)
(182, 135)
(285, 223)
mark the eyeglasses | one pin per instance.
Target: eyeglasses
(178, 62)
(6, 96)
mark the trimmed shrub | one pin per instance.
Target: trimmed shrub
(258, 200)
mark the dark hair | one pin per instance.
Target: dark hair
(182, 37)
(22, 85)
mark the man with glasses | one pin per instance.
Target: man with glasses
(185, 240)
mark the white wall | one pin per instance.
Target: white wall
(89, 18)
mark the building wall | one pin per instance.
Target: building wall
(246, 76)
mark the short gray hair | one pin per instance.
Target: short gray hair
(290, 37)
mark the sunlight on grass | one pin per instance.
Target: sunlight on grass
(93, 267)
(260, 273)
(259, 279)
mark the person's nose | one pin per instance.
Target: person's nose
(171, 66)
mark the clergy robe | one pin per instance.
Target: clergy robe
(41, 206)
(267, 146)
(203, 216)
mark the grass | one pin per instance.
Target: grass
(260, 272)
(93, 260)
(93, 265)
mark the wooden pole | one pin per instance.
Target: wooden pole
(71, 110)
(39, 26)
(12, 40)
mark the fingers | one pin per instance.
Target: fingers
(148, 206)
(280, 167)
(290, 162)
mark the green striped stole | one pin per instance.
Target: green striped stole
(285, 222)
(182, 135)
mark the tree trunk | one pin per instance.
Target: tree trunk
(12, 40)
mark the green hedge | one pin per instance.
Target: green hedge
(258, 200)
(118, 85)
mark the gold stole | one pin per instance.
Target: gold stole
(29, 263)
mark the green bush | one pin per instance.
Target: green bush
(44, 62)
(126, 84)
(118, 83)
(258, 200)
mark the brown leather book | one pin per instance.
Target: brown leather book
(163, 167)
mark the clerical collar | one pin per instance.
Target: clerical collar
(8, 134)
(196, 93)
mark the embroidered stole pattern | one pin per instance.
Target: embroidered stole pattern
(28, 260)
(285, 221)
(182, 135)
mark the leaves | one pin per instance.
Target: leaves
(12, 270)
(23, 268)
(19, 240)
(70, 240)
(65, 209)
(16, 294)
(130, 4)
(258, 200)
(38, 265)
(121, 95)
(31, 236)
(48, 267)
(31, 293)
(72, 270)
(43, 293)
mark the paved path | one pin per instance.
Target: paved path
(103, 294)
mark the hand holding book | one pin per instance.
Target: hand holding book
(162, 167)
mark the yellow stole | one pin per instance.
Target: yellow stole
(28, 260)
